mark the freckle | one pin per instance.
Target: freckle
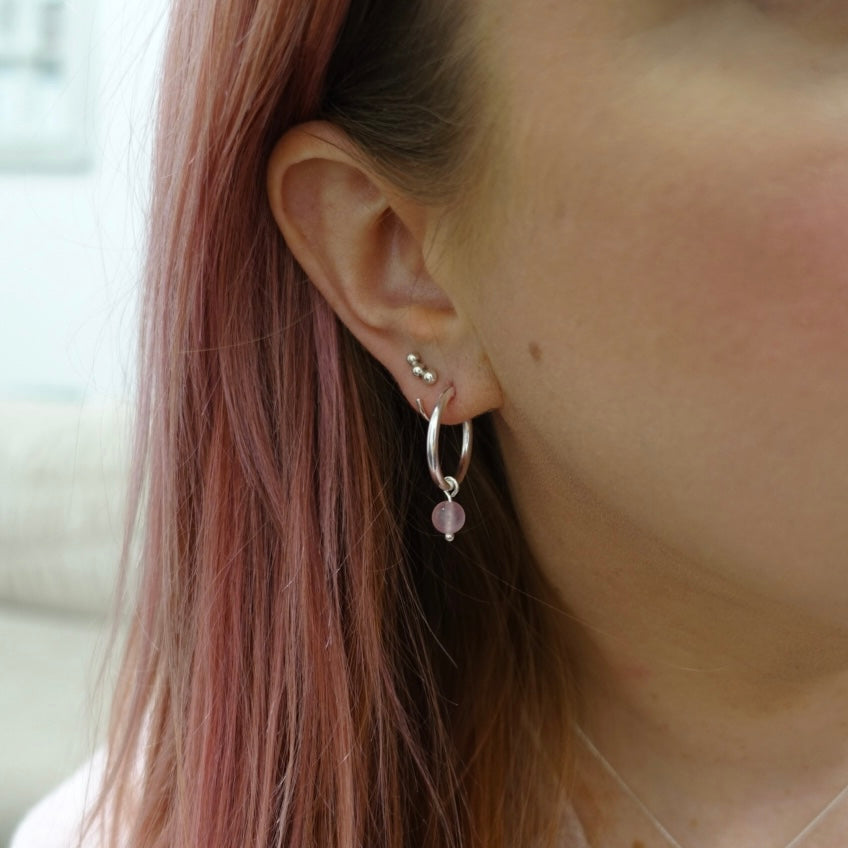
(535, 351)
(638, 844)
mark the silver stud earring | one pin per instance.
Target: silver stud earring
(448, 517)
(421, 370)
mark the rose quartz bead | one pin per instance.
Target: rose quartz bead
(448, 517)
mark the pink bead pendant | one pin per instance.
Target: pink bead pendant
(448, 518)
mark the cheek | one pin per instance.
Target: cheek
(675, 270)
(781, 268)
(729, 281)
(691, 358)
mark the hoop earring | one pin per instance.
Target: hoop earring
(448, 517)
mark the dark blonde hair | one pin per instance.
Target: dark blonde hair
(309, 662)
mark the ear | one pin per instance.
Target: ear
(374, 255)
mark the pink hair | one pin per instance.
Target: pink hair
(309, 663)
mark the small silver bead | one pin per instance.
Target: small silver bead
(418, 371)
(429, 377)
(413, 358)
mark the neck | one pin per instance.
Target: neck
(714, 673)
(715, 700)
(728, 741)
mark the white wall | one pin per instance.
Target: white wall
(70, 244)
(70, 253)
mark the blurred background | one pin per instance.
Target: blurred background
(77, 83)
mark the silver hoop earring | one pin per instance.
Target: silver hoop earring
(448, 517)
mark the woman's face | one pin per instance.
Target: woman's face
(666, 302)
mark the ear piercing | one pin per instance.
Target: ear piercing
(421, 370)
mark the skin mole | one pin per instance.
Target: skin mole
(535, 351)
